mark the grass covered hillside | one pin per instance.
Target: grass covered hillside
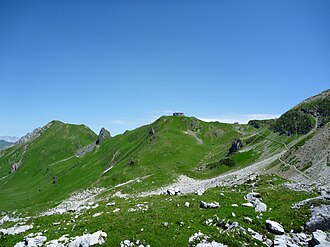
(65, 179)
(302, 118)
(157, 154)
(32, 181)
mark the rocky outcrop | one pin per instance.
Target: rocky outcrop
(33, 135)
(254, 200)
(235, 146)
(33, 241)
(104, 134)
(16, 229)
(320, 219)
(13, 168)
(152, 134)
(320, 239)
(77, 202)
(36, 240)
(96, 238)
(199, 239)
(85, 150)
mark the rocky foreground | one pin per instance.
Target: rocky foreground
(90, 205)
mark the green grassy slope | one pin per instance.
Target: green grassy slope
(302, 118)
(32, 182)
(181, 145)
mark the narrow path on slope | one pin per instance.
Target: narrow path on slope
(60, 161)
(297, 170)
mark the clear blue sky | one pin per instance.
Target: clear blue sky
(119, 64)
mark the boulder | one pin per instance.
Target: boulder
(255, 235)
(200, 192)
(233, 225)
(259, 206)
(254, 200)
(274, 227)
(320, 239)
(186, 204)
(251, 196)
(98, 237)
(16, 229)
(280, 241)
(165, 224)
(209, 205)
(320, 219)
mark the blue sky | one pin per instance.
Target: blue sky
(120, 64)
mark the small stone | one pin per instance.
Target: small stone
(248, 220)
(247, 204)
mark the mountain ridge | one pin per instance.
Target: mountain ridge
(175, 155)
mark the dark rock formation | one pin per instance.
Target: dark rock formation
(103, 135)
(152, 134)
(131, 162)
(55, 179)
(235, 146)
(13, 168)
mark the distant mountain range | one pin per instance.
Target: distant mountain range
(9, 138)
(4, 144)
